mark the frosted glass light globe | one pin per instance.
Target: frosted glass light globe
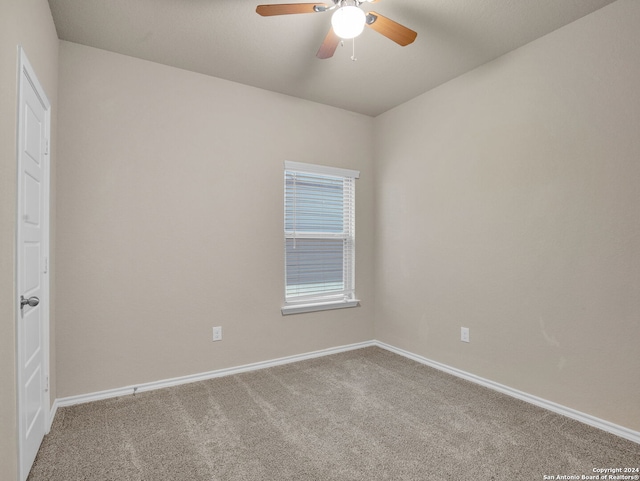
(348, 22)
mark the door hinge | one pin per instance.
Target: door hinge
(46, 265)
(46, 384)
(45, 146)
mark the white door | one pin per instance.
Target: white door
(32, 265)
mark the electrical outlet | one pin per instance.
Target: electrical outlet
(464, 334)
(217, 333)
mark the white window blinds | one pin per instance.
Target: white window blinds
(319, 228)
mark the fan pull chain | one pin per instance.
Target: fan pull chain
(353, 55)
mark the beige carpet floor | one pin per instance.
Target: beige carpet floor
(363, 415)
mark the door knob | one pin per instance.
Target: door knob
(32, 301)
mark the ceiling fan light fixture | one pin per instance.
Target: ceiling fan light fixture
(348, 22)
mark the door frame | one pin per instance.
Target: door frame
(27, 74)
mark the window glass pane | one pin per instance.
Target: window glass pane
(314, 266)
(313, 203)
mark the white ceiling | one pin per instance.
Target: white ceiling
(229, 40)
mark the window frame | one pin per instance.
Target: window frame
(346, 297)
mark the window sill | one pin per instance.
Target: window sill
(320, 306)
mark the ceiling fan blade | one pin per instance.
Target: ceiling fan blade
(329, 45)
(390, 29)
(289, 8)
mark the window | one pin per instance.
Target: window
(319, 231)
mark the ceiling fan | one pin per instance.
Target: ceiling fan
(348, 21)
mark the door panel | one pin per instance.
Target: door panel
(32, 188)
(31, 272)
(33, 134)
(32, 338)
(33, 389)
(32, 220)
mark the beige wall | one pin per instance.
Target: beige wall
(170, 219)
(508, 201)
(27, 23)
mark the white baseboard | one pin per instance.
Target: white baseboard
(150, 386)
(52, 414)
(537, 401)
(523, 396)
